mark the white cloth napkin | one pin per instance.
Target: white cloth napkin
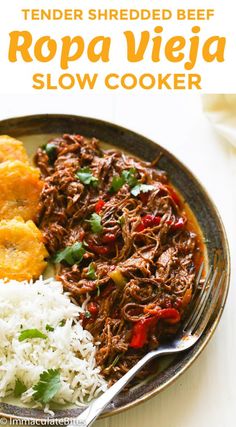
(221, 111)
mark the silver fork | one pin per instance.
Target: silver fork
(191, 330)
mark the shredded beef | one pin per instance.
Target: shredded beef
(156, 259)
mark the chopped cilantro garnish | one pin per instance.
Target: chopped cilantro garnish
(86, 177)
(62, 323)
(51, 151)
(31, 333)
(49, 328)
(91, 274)
(126, 177)
(87, 314)
(141, 188)
(129, 177)
(48, 385)
(116, 360)
(117, 183)
(20, 388)
(71, 254)
(95, 222)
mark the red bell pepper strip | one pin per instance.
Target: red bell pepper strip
(93, 308)
(163, 313)
(99, 205)
(170, 314)
(143, 327)
(178, 224)
(148, 221)
(108, 238)
(99, 250)
(140, 332)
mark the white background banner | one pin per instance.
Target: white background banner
(213, 17)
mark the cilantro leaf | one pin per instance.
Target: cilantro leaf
(20, 388)
(51, 151)
(91, 274)
(62, 323)
(87, 314)
(95, 223)
(31, 333)
(71, 254)
(48, 385)
(126, 177)
(117, 183)
(129, 177)
(116, 360)
(49, 328)
(141, 188)
(86, 177)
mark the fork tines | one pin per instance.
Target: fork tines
(206, 299)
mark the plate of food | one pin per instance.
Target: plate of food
(102, 234)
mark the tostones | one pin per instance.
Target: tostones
(20, 189)
(22, 252)
(12, 149)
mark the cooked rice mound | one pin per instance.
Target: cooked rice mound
(67, 347)
(12, 149)
(20, 189)
(22, 252)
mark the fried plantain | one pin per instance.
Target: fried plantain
(12, 149)
(20, 188)
(22, 252)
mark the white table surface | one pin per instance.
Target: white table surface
(205, 395)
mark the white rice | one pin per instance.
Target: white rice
(68, 348)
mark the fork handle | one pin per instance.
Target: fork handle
(90, 414)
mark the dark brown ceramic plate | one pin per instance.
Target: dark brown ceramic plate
(30, 129)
